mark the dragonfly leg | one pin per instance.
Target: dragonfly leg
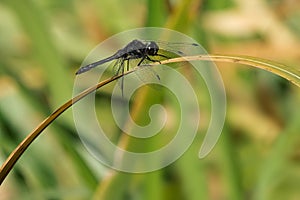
(163, 56)
(141, 61)
(147, 57)
(127, 63)
(122, 78)
(153, 60)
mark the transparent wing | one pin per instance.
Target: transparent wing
(167, 50)
(118, 68)
(147, 74)
(175, 49)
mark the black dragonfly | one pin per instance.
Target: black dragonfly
(136, 49)
(133, 50)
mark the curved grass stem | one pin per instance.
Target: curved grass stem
(20, 149)
(291, 74)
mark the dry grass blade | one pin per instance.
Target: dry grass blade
(287, 72)
(284, 71)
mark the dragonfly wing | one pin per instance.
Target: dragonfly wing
(147, 74)
(118, 68)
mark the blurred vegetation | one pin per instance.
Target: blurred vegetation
(42, 44)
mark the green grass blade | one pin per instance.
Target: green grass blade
(36, 27)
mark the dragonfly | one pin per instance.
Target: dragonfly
(136, 49)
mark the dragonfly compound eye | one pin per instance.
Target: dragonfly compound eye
(152, 48)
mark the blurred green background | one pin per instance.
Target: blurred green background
(42, 44)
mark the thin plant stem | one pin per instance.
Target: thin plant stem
(20, 149)
(291, 74)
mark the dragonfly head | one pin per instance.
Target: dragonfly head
(152, 48)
